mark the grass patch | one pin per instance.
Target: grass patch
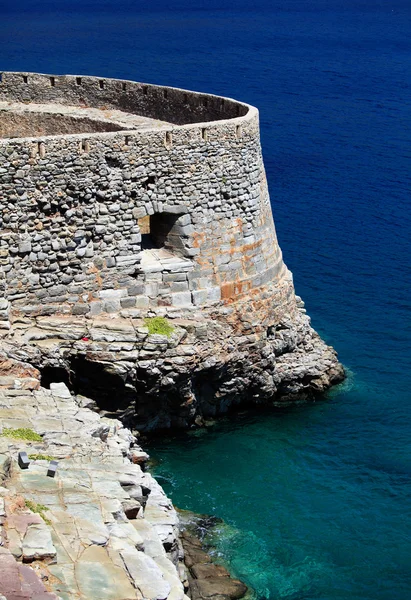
(22, 434)
(158, 325)
(39, 509)
(40, 457)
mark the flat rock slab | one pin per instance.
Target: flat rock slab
(20, 582)
(37, 543)
(146, 575)
(95, 574)
(223, 587)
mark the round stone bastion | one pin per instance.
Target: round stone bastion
(121, 201)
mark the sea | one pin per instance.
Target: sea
(315, 500)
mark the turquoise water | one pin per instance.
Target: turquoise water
(317, 500)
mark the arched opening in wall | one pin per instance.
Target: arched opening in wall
(164, 238)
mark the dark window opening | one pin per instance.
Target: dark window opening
(113, 161)
(162, 230)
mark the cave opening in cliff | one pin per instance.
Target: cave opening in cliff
(96, 381)
(54, 375)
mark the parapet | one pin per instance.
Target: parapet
(123, 195)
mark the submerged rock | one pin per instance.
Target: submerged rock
(206, 579)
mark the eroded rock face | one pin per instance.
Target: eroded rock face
(258, 350)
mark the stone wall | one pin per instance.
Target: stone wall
(101, 230)
(154, 101)
(70, 204)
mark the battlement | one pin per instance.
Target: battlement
(176, 106)
(121, 195)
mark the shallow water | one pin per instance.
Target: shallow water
(317, 500)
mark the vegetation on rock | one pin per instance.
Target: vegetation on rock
(38, 509)
(22, 434)
(158, 325)
(40, 457)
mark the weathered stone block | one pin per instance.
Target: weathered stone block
(200, 297)
(112, 294)
(179, 286)
(111, 306)
(135, 289)
(80, 309)
(214, 294)
(128, 302)
(142, 302)
(181, 299)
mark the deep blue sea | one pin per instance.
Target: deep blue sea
(317, 500)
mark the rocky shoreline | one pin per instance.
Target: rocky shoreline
(104, 519)
(212, 361)
(102, 527)
(205, 578)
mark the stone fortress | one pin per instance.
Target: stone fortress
(121, 201)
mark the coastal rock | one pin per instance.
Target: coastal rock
(221, 587)
(81, 529)
(146, 575)
(205, 578)
(37, 544)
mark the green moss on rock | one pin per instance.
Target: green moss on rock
(158, 325)
(40, 457)
(39, 509)
(22, 434)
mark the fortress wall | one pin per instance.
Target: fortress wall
(71, 209)
(158, 102)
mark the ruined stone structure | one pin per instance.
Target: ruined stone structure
(121, 200)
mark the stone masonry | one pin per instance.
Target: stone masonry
(121, 201)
